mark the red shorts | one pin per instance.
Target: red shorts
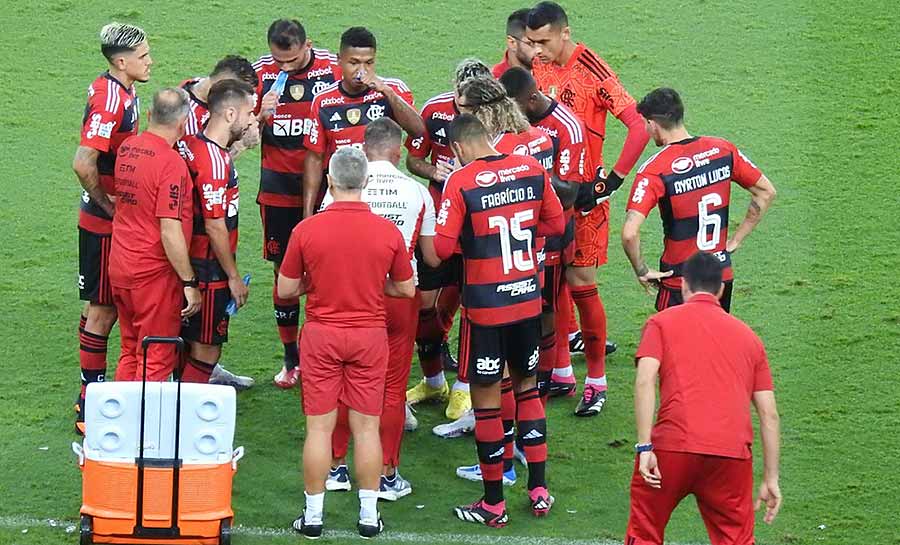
(723, 488)
(343, 364)
(592, 237)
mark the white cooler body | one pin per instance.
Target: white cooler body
(113, 417)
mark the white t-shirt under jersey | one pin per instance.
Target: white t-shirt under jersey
(396, 197)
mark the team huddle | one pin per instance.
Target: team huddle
(506, 237)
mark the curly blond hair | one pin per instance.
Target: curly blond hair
(489, 103)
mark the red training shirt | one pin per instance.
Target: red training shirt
(710, 365)
(345, 280)
(152, 182)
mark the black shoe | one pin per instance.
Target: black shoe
(576, 343)
(368, 530)
(611, 347)
(447, 360)
(310, 531)
(591, 402)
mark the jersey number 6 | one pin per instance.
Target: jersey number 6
(705, 241)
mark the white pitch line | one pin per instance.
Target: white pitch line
(70, 526)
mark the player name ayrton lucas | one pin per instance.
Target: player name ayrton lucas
(702, 180)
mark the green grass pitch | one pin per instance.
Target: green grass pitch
(809, 91)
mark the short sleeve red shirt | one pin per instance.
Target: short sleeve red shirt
(152, 182)
(344, 254)
(710, 365)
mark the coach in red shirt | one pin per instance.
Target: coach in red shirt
(149, 268)
(710, 367)
(347, 259)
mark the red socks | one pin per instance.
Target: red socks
(197, 371)
(532, 432)
(508, 415)
(489, 442)
(593, 328)
(91, 355)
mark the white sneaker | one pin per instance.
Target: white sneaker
(338, 479)
(473, 473)
(223, 376)
(396, 490)
(519, 455)
(411, 423)
(459, 427)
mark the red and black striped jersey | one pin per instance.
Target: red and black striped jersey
(690, 181)
(285, 133)
(437, 114)
(339, 119)
(215, 188)
(566, 132)
(111, 115)
(493, 206)
(199, 110)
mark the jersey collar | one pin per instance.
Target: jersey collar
(703, 298)
(189, 87)
(353, 206)
(685, 142)
(546, 114)
(110, 77)
(202, 136)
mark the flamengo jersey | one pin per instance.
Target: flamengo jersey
(493, 206)
(401, 200)
(567, 133)
(112, 114)
(215, 183)
(339, 119)
(199, 110)
(437, 114)
(691, 182)
(588, 86)
(283, 144)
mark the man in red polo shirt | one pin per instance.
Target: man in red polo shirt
(149, 267)
(344, 347)
(710, 367)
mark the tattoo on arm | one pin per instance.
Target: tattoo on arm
(642, 269)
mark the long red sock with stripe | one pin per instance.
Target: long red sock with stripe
(489, 443)
(593, 328)
(508, 415)
(532, 432)
(92, 357)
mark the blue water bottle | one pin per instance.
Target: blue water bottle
(232, 307)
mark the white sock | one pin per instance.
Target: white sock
(315, 503)
(461, 386)
(572, 335)
(588, 381)
(437, 381)
(368, 505)
(563, 372)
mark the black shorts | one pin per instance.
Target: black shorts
(669, 297)
(93, 267)
(483, 351)
(448, 273)
(278, 222)
(553, 278)
(210, 325)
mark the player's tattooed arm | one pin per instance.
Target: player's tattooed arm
(405, 115)
(85, 166)
(421, 167)
(761, 196)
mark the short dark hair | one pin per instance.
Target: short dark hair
(383, 133)
(239, 67)
(224, 93)
(547, 13)
(465, 128)
(357, 36)
(515, 23)
(664, 106)
(286, 33)
(703, 272)
(518, 82)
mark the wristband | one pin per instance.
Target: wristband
(192, 283)
(643, 447)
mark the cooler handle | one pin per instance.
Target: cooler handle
(235, 456)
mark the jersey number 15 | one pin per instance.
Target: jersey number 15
(520, 259)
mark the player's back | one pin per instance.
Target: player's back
(533, 142)
(691, 180)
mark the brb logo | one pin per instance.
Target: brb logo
(103, 130)
(487, 366)
(293, 127)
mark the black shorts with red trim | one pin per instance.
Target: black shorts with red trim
(448, 273)
(278, 222)
(483, 351)
(93, 267)
(671, 297)
(553, 278)
(210, 325)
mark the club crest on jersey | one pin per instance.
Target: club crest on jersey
(297, 91)
(375, 111)
(353, 116)
(486, 178)
(682, 165)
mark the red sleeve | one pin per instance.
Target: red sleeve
(337, 72)
(170, 179)
(401, 269)
(104, 113)
(316, 138)
(762, 375)
(292, 263)
(645, 193)
(635, 141)
(451, 215)
(420, 147)
(552, 221)
(401, 89)
(211, 182)
(743, 171)
(651, 345)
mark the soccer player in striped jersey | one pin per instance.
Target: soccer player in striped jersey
(690, 180)
(431, 158)
(213, 246)
(574, 75)
(284, 125)
(493, 209)
(111, 116)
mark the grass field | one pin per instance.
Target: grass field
(808, 89)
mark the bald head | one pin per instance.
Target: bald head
(170, 107)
